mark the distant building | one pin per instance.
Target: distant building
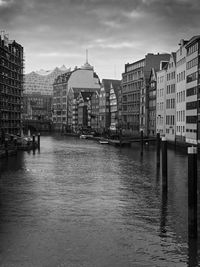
(66, 89)
(170, 127)
(42, 81)
(108, 104)
(135, 92)
(37, 106)
(11, 85)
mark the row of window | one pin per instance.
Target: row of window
(170, 120)
(190, 64)
(180, 97)
(191, 91)
(171, 76)
(171, 89)
(160, 92)
(180, 76)
(192, 77)
(170, 103)
(191, 105)
(180, 115)
(192, 49)
(180, 129)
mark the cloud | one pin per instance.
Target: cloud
(120, 30)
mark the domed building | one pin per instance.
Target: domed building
(69, 90)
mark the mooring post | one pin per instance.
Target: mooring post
(33, 141)
(164, 164)
(6, 147)
(158, 148)
(141, 142)
(38, 140)
(192, 192)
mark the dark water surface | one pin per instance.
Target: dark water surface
(79, 203)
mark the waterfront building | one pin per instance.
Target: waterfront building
(161, 99)
(66, 89)
(181, 92)
(11, 84)
(151, 121)
(192, 91)
(108, 86)
(170, 120)
(114, 105)
(135, 81)
(95, 111)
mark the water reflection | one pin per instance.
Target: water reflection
(78, 203)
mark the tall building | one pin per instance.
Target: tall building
(135, 92)
(66, 89)
(170, 120)
(11, 85)
(181, 92)
(193, 91)
(161, 99)
(151, 121)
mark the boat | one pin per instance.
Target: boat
(86, 136)
(103, 142)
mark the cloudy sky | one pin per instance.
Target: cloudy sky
(57, 32)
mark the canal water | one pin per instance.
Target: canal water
(79, 203)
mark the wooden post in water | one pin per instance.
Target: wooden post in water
(141, 142)
(192, 192)
(158, 149)
(33, 141)
(6, 147)
(38, 140)
(164, 164)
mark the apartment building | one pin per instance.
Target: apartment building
(170, 126)
(11, 84)
(192, 91)
(181, 92)
(161, 99)
(151, 122)
(135, 82)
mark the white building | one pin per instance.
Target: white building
(170, 127)
(181, 92)
(161, 100)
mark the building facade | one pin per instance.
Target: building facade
(181, 92)
(11, 85)
(135, 93)
(170, 120)
(66, 89)
(192, 91)
(151, 122)
(161, 99)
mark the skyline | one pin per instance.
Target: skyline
(115, 32)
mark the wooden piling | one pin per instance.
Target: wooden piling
(141, 142)
(164, 164)
(158, 149)
(192, 192)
